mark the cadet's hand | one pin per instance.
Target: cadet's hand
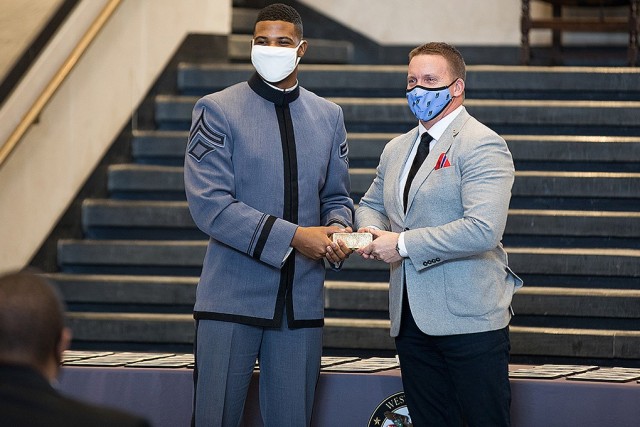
(338, 252)
(312, 242)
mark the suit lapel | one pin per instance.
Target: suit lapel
(441, 146)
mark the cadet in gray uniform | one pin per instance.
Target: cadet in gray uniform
(266, 177)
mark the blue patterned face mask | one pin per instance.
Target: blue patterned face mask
(427, 103)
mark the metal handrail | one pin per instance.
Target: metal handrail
(56, 81)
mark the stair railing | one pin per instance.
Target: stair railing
(56, 81)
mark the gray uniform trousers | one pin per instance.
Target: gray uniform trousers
(290, 366)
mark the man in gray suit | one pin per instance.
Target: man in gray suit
(266, 177)
(437, 209)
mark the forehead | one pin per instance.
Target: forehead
(274, 29)
(428, 64)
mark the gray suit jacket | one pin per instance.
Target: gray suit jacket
(457, 274)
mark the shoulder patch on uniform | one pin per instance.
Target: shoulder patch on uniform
(203, 140)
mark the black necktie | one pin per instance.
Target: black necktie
(421, 154)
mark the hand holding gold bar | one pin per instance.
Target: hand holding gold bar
(353, 240)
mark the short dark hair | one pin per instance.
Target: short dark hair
(449, 53)
(31, 319)
(281, 12)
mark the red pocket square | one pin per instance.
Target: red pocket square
(442, 162)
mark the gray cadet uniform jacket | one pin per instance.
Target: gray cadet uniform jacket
(259, 163)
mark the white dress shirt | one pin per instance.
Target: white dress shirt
(436, 132)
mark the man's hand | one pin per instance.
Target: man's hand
(314, 242)
(383, 247)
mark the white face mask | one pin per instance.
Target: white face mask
(274, 63)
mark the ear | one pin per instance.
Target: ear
(302, 49)
(63, 344)
(458, 88)
(52, 366)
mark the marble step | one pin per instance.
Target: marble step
(574, 342)
(243, 20)
(149, 146)
(112, 214)
(482, 80)
(577, 302)
(164, 147)
(354, 334)
(530, 116)
(529, 300)
(342, 296)
(546, 183)
(104, 254)
(125, 289)
(179, 329)
(135, 178)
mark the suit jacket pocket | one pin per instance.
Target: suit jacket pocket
(517, 281)
(473, 286)
(448, 176)
(442, 193)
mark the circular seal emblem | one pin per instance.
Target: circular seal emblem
(391, 412)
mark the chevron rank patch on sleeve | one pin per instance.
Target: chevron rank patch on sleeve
(203, 139)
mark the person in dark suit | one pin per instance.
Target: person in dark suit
(32, 341)
(438, 208)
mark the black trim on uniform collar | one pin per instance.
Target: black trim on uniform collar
(278, 97)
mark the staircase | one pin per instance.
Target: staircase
(573, 232)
